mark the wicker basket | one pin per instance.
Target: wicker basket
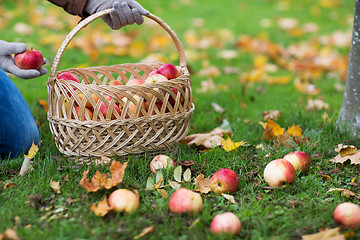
(152, 116)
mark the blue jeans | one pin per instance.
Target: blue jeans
(18, 129)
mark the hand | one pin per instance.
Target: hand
(7, 61)
(123, 12)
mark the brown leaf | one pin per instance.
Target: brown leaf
(271, 114)
(102, 208)
(229, 198)
(102, 180)
(347, 193)
(9, 234)
(44, 104)
(207, 140)
(55, 185)
(9, 185)
(327, 234)
(354, 158)
(145, 231)
(202, 184)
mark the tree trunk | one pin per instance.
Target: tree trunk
(349, 116)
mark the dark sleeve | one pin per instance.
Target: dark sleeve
(74, 7)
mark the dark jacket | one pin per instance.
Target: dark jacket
(74, 7)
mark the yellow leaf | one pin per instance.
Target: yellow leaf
(202, 184)
(44, 104)
(102, 208)
(229, 197)
(295, 131)
(55, 185)
(145, 231)
(32, 151)
(229, 145)
(327, 234)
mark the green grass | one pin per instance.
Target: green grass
(301, 208)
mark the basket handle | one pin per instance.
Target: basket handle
(100, 14)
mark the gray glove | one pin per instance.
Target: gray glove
(7, 61)
(123, 12)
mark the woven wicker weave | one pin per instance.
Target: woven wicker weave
(152, 116)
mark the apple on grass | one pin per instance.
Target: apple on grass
(185, 201)
(279, 172)
(227, 223)
(300, 160)
(30, 59)
(123, 200)
(224, 181)
(160, 162)
(347, 214)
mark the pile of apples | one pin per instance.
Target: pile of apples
(282, 171)
(164, 73)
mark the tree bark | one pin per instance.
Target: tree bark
(349, 116)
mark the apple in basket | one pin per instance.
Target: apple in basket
(168, 70)
(132, 106)
(104, 108)
(88, 102)
(68, 76)
(135, 82)
(115, 83)
(88, 114)
(155, 78)
(30, 59)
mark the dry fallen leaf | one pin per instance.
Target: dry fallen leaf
(145, 231)
(316, 105)
(207, 140)
(347, 193)
(271, 114)
(229, 145)
(55, 185)
(327, 234)
(102, 208)
(202, 184)
(102, 180)
(229, 198)
(9, 185)
(347, 153)
(9, 234)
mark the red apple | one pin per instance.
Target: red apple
(347, 214)
(124, 200)
(135, 82)
(152, 72)
(300, 160)
(155, 78)
(133, 106)
(224, 181)
(30, 59)
(84, 117)
(88, 103)
(226, 222)
(185, 200)
(279, 172)
(168, 70)
(104, 108)
(68, 76)
(115, 83)
(160, 162)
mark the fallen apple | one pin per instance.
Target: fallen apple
(227, 223)
(168, 70)
(300, 160)
(160, 162)
(347, 214)
(123, 200)
(184, 200)
(30, 59)
(224, 181)
(279, 172)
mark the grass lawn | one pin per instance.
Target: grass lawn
(224, 44)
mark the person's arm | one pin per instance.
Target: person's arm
(74, 7)
(123, 12)
(7, 61)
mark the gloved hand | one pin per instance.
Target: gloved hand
(123, 12)
(7, 61)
